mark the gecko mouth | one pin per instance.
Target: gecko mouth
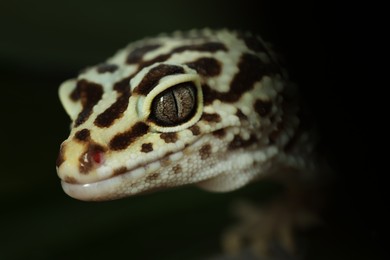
(125, 183)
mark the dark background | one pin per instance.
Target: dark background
(329, 50)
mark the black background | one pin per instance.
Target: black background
(332, 52)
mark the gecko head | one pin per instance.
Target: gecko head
(122, 139)
(174, 110)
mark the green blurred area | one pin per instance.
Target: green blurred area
(43, 43)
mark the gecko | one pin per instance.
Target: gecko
(207, 107)
(213, 108)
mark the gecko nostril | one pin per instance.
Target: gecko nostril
(97, 156)
(92, 157)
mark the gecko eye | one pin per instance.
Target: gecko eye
(175, 105)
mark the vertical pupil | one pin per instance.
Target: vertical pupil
(184, 100)
(174, 105)
(166, 106)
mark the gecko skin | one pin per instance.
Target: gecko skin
(205, 107)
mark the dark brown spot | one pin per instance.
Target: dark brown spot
(75, 94)
(137, 54)
(263, 107)
(151, 79)
(169, 137)
(160, 58)
(214, 117)
(239, 142)
(123, 85)
(61, 156)
(254, 43)
(87, 159)
(204, 47)
(89, 94)
(220, 133)
(71, 180)
(137, 57)
(105, 67)
(123, 140)
(195, 129)
(208, 67)
(241, 115)
(83, 116)
(205, 151)
(115, 111)
(83, 135)
(146, 148)
(177, 169)
(250, 70)
(153, 176)
(120, 171)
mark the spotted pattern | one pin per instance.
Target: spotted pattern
(123, 85)
(152, 78)
(137, 54)
(89, 94)
(239, 142)
(241, 115)
(220, 133)
(169, 137)
(212, 117)
(83, 135)
(241, 119)
(205, 151)
(251, 69)
(208, 67)
(146, 148)
(195, 129)
(122, 140)
(114, 112)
